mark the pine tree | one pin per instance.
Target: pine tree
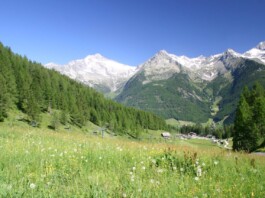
(242, 123)
(249, 122)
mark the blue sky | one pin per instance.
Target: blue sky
(129, 31)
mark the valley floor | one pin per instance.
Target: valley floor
(43, 163)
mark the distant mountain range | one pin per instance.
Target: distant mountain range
(192, 89)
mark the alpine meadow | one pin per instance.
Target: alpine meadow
(132, 99)
(60, 138)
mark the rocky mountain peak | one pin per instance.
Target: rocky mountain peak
(261, 45)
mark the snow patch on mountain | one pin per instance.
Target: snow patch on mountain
(257, 53)
(96, 70)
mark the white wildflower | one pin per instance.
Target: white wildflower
(32, 186)
(196, 178)
(133, 168)
(143, 168)
(215, 162)
(152, 181)
(174, 168)
(199, 171)
(181, 169)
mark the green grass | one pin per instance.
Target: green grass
(178, 123)
(43, 163)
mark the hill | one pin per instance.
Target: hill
(32, 89)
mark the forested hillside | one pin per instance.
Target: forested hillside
(33, 89)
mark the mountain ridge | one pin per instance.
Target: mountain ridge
(171, 85)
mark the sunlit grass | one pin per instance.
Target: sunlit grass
(42, 163)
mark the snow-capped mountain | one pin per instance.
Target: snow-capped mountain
(257, 53)
(109, 76)
(171, 86)
(163, 65)
(96, 71)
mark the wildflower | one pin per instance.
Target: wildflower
(133, 168)
(174, 168)
(152, 181)
(124, 195)
(100, 158)
(196, 178)
(131, 173)
(181, 169)
(153, 161)
(199, 171)
(143, 168)
(142, 162)
(160, 170)
(215, 162)
(203, 164)
(32, 186)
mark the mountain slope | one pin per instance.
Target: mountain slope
(98, 72)
(194, 89)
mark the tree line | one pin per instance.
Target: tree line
(33, 89)
(219, 131)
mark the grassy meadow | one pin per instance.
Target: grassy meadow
(36, 162)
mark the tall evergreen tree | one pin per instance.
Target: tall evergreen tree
(249, 122)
